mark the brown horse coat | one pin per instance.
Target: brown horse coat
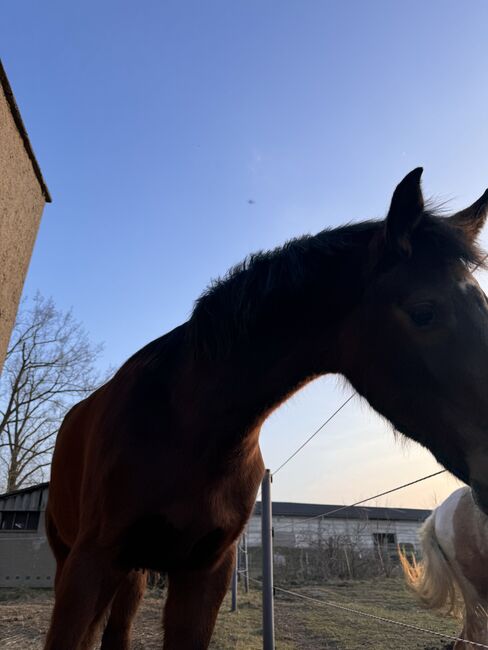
(159, 468)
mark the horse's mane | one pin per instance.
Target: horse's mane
(228, 309)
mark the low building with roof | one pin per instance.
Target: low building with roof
(26, 559)
(301, 525)
(321, 542)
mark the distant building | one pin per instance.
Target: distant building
(26, 559)
(302, 525)
(23, 194)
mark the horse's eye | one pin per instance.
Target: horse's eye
(422, 315)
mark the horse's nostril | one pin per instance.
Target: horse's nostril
(480, 495)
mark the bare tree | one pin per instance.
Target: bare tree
(50, 364)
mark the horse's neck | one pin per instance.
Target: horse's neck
(299, 342)
(274, 377)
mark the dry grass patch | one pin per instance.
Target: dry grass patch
(300, 624)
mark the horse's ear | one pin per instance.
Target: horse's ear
(472, 219)
(406, 209)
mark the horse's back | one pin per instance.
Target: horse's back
(445, 518)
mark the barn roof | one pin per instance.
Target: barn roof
(287, 509)
(31, 488)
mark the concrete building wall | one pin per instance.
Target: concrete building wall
(26, 559)
(22, 198)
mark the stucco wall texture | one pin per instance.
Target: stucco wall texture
(22, 200)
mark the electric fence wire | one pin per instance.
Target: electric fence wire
(305, 443)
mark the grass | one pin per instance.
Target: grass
(308, 625)
(300, 624)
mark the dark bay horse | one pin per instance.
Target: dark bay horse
(159, 468)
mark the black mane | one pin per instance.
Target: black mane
(228, 309)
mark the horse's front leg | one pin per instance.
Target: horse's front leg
(85, 589)
(124, 607)
(194, 599)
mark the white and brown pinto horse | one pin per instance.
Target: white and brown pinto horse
(453, 572)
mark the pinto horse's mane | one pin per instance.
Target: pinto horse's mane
(227, 310)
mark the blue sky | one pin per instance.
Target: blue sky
(155, 123)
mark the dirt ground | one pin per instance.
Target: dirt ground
(300, 624)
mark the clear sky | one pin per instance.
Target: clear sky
(176, 137)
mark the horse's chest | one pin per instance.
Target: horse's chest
(191, 523)
(193, 532)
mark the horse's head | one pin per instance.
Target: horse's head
(422, 357)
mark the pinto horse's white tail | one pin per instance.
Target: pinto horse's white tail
(432, 579)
